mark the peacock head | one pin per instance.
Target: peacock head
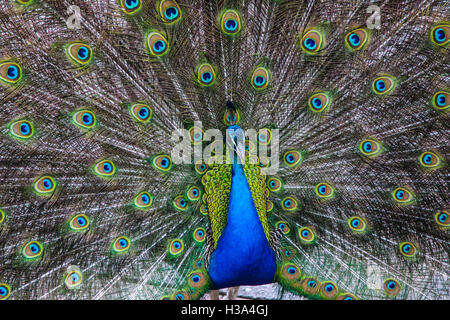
(235, 140)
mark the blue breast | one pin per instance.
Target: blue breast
(243, 255)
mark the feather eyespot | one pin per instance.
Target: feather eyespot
(79, 53)
(325, 190)
(310, 286)
(197, 280)
(440, 34)
(84, 119)
(204, 209)
(269, 206)
(141, 112)
(260, 78)
(292, 158)
(346, 296)
(196, 135)
(319, 102)
(289, 204)
(180, 203)
(231, 117)
(206, 76)
(430, 160)
(290, 272)
(157, 44)
(176, 247)
(79, 222)
(357, 224)
(391, 287)
(384, 84)
(131, 6)
(104, 169)
(274, 184)
(199, 234)
(24, 2)
(73, 278)
(121, 245)
(264, 136)
(201, 168)
(442, 218)
(5, 291)
(143, 200)
(307, 235)
(193, 193)
(312, 41)
(10, 72)
(357, 39)
(408, 249)
(32, 250)
(169, 11)
(230, 22)
(441, 100)
(329, 290)
(21, 129)
(44, 186)
(162, 163)
(403, 196)
(180, 295)
(289, 253)
(283, 226)
(370, 147)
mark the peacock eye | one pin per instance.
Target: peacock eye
(73, 278)
(328, 290)
(260, 78)
(104, 168)
(408, 249)
(199, 235)
(24, 2)
(319, 102)
(120, 245)
(163, 163)
(143, 200)
(176, 247)
(274, 184)
(312, 41)
(357, 224)
(290, 272)
(403, 196)
(391, 287)
(10, 72)
(440, 34)
(370, 147)
(231, 117)
(441, 100)
(5, 291)
(141, 112)
(79, 53)
(196, 135)
(292, 158)
(384, 84)
(169, 11)
(131, 6)
(44, 186)
(32, 250)
(430, 160)
(357, 39)
(79, 222)
(180, 203)
(84, 119)
(230, 22)
(157, 44)
(289, 204)
(21, 129)
(325, 190)
(306, 235)
(442, 218)
(193, 194)
(206, 75)
(283, 226)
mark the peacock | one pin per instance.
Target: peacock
(160, 149)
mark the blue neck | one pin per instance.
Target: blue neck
(243, 255)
